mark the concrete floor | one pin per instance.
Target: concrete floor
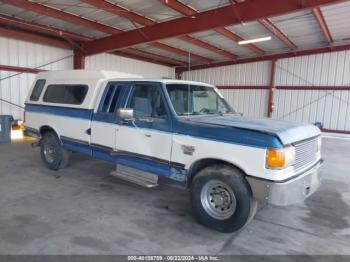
(83, 210)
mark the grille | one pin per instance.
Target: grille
(305, 153)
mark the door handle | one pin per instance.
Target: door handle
(148, 135)
(145, 119)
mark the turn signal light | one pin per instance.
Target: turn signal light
(275, 158)
(280, 158)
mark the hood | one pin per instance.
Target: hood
(288, 132)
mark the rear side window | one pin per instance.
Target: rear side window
(38, 88)
(66, 94)
(111, 99)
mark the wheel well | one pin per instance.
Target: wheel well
(203, 163)
(45, 129)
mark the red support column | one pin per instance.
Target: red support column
(78, 60)
(272, 89)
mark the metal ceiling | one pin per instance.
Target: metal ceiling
(301, 28)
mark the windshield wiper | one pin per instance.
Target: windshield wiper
(191, 114)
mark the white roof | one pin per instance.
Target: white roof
(106, 75)
(85, 74)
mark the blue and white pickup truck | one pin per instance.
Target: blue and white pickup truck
(181, 130)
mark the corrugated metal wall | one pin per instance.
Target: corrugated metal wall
(252, 74)
(14, 86)
(249, 102)
(330, 107)
(327, 106)
(128, 65)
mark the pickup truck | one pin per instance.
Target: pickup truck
(181, 130)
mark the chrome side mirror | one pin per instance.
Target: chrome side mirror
(125, 113)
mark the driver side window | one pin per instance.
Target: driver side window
(147, 101)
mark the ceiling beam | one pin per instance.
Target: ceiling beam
(39, 28)
(154, 57)
(21, 35)
(278, 33)
(249, 11)
(120, 11)
(67, 17)
(207, 46)
(270, 57)
(179, 7)
(20, 69)
(49, 11)
(180, 52)
(140, 58)
(188, 11)
(236, 38)
(322, 23)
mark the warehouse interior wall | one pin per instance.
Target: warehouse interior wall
(307, 88)
(329, 106)
(15, 85)
(246, 86)
(128, 65)
(251, 102)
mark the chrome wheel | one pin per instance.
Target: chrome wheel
(50, 153)
(218, 200)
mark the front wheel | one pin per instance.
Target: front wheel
(222, 199)
(53, 155)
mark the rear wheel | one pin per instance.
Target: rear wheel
(222, 199)
(53, 155)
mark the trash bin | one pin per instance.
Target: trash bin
(5, 128)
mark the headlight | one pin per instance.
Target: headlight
(280, 158)
(319, 144)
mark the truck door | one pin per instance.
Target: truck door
(104, 121)
(148, 138)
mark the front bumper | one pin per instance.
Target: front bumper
(288, 192)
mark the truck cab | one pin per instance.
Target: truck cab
(181, 130)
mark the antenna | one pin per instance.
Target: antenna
(188, 85)
(189, 65)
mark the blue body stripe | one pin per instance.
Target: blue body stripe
(105, 118)
(225, 134)
(76, 147)
(174, 173)
(180, 126)
(60, 111)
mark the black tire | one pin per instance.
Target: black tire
(238, 214)
(59, 157)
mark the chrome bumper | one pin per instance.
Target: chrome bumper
(289, 192)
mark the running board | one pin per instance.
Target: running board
(135, 176)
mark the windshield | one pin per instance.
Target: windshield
(197, 100)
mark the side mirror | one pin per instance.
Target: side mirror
(125, 113)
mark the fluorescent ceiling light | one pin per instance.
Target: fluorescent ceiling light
(251, 41)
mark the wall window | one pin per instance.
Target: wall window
(66, 94)
(147, 101)
(38, 88)
(111, 99)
